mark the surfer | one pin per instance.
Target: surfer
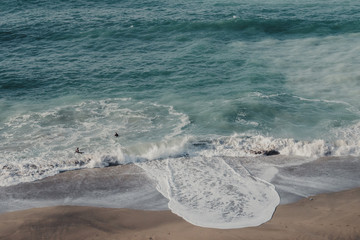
(78, 151)
(116, 134)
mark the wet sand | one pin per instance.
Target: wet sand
(325, 216)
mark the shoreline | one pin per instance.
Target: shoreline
(324, 216)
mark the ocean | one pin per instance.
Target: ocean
(198, 92)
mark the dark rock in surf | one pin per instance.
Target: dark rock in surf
(271, 152)
(266, 152)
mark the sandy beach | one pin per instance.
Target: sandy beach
(325, 216)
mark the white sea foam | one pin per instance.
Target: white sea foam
(341, 142)
(322, 67)
(203, 177)
(39, 144)
(262, 95)
(313, 67)
(346, 141)
(162, 149)
(184, 122)
(348, 106)
(212, 188)
(207, 192)
(244, 145)
(37, 147)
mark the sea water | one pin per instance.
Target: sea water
(194, 89)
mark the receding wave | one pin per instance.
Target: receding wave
(208, 192)
(210, 187)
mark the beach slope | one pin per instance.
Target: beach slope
(326, 216)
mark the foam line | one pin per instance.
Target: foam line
(207, 192)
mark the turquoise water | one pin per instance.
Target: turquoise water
(175, 79)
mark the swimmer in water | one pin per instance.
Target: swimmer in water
(78, 151)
